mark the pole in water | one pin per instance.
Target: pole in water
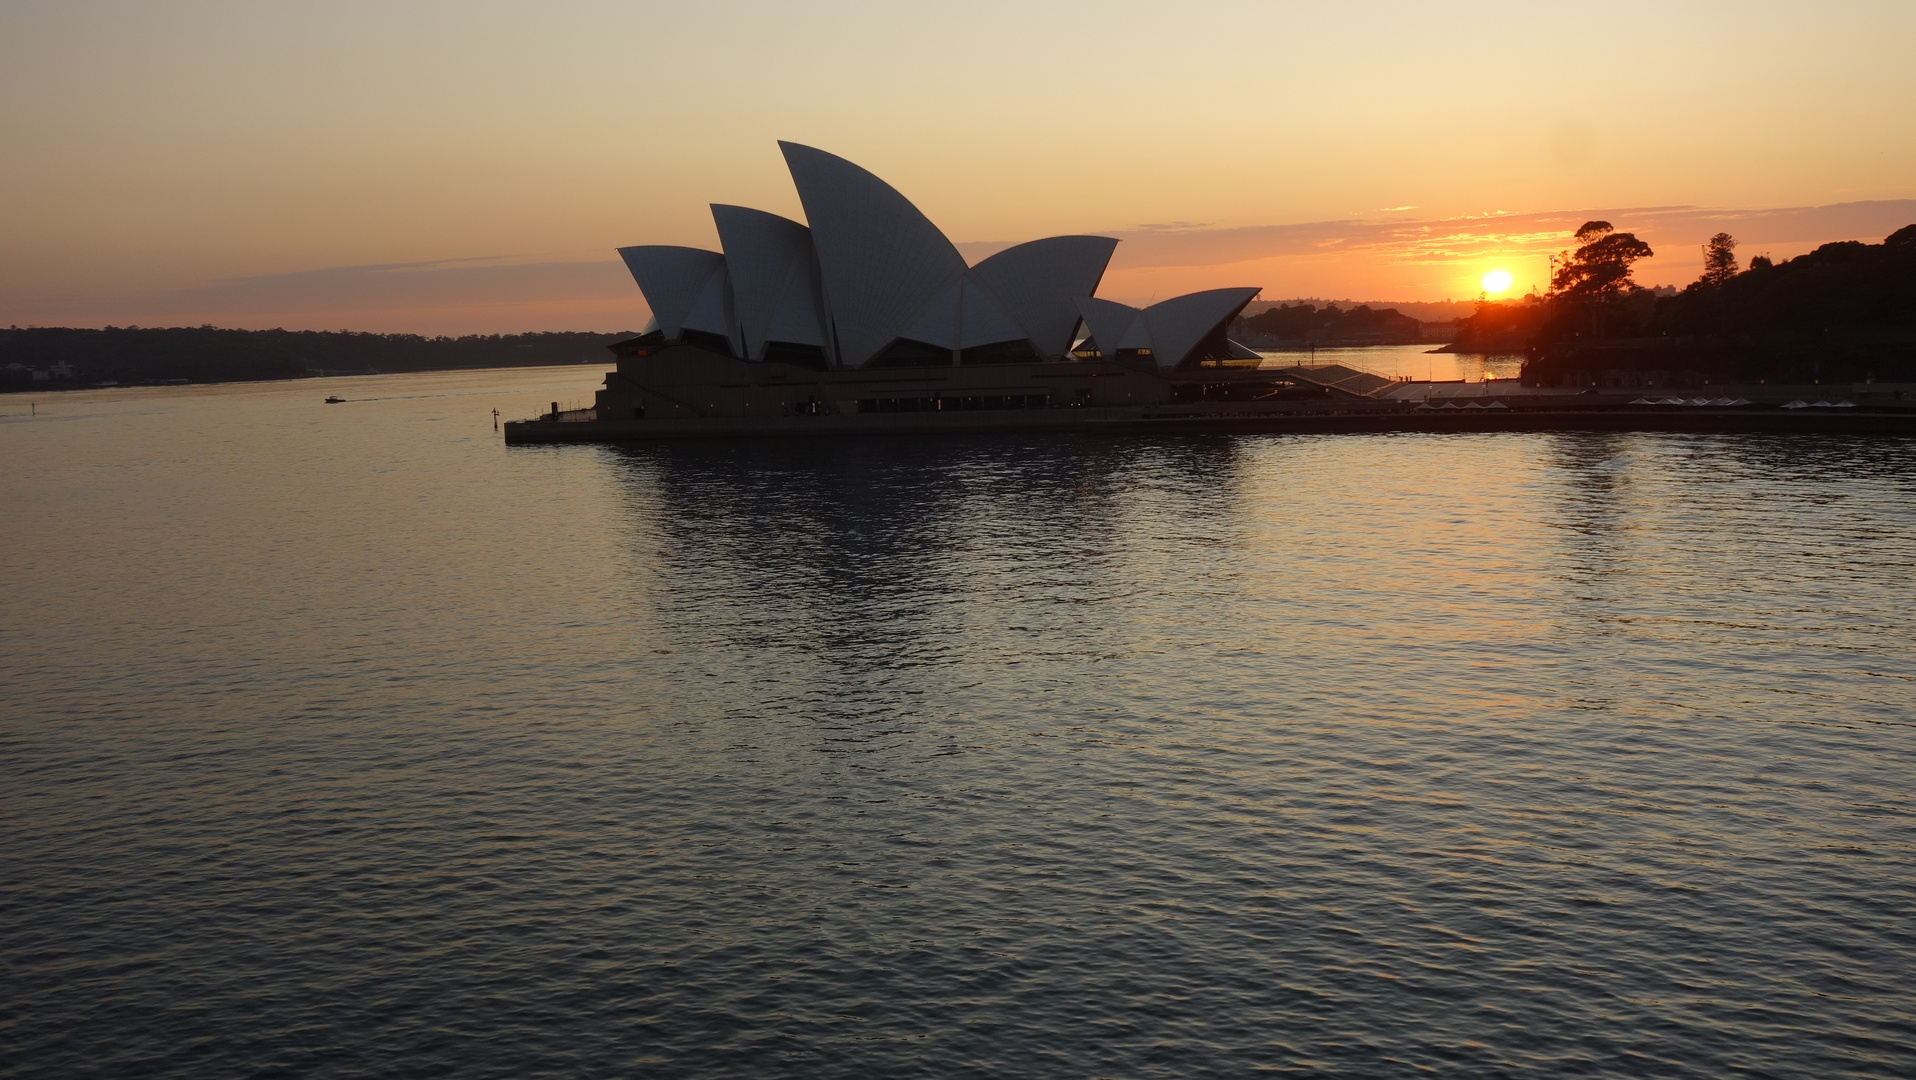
(495, 419)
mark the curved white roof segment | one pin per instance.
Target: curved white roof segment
(882, 262)
(982, 320)
(712, 311)
(1109, 322)
(938, 323)
(1178, 324)
(1170, 328)
(872, 269)
(673, 279)
(774, 278)
(963, 316)
(1038, 284)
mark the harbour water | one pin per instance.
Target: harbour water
(341, 740)
(1413, 362)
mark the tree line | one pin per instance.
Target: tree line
(1844, 311)
(50, 357)
(1307, 322)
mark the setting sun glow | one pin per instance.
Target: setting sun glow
(1497, 281)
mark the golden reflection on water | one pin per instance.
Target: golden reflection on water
(337, 727)
(1413, 362)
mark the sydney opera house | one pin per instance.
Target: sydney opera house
(867, 308)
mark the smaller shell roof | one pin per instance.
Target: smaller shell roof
(1170, 328)
(1177, 325)
(774, 277)
(1039, 282)
(672, 279)
(1108, 321)
(963, 316)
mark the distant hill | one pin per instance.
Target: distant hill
(59, 357)
(1288, 326)
(1844, 312)
(1422, 311)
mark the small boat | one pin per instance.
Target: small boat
(334, 400)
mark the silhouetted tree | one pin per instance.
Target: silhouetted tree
(1600, 268)
(1845, 312)
(1590, 284)
(1719, 260)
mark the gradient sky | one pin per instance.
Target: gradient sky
(447, 167)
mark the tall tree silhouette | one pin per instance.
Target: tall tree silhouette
(1719, 260)
(1596, 277)
(1600, 268)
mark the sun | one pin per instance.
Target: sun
(1497, 281)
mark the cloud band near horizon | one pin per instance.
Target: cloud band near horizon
(1405, 260)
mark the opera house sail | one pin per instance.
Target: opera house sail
(867, 310)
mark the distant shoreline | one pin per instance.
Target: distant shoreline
(68, 387)
(42, 359)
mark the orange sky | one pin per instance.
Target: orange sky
(445, 167)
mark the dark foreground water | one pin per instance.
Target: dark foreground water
(343, 741)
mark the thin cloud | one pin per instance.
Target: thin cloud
(1406, 259)
(368, 288)
(1461, 238)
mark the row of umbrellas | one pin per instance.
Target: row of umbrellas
(1724, 402)
(1720, 403)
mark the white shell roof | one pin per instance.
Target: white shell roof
(798, 318)
(882, 262)
(712, 311)
(938, 323)
(1038, 284)
(1170, 328)
(1178, 324)
(1108, 321)
(982, 320)
(673, 280)
(963, 316)
(871, 269)
(774, 278)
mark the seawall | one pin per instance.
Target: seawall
(1170, 422)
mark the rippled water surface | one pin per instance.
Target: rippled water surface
(344, 741)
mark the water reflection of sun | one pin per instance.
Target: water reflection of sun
(1497, 281)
